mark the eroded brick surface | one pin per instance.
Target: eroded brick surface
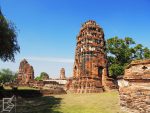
(62, 74)
(90, 66)
(26, 72)
(135, 93)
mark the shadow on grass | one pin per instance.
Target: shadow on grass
(24, 93)
(31, 101)
(47, 104)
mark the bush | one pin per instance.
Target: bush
(115, 70)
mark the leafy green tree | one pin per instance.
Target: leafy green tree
(115, 70)
(146, 52)
(8, 40)
(121, 52)
(6, 75)
(138, 51)
(42, 76)
(38, 78)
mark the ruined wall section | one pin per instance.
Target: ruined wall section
(135, 88)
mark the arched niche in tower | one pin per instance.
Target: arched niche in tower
(100, 71)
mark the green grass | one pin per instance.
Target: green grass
(20, 88)
(90, 103)
(25, 87)
(107, 102)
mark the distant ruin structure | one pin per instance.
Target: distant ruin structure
(90, 65)
(26, 72)
(62, 74)
(134, 88)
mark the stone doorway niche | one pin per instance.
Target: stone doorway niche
(100, 71)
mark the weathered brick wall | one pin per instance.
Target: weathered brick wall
(135, 99)
(134, 88)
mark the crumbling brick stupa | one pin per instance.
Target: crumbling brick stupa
(26, 72)
(90, 65)
(62, 74)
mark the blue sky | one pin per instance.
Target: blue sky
(47, 29)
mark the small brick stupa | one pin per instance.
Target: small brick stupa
(26, 72)
(62, 74)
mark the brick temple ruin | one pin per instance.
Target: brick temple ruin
(90, 66)
(62, 74)
(26, 72)
(134, 88)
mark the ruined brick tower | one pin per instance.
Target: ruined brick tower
(26, 72)
(90, 66)
(62, 74)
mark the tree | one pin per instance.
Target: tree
(42, 76)
(38, 78)
(8, 40)
(6, 75)
(121, 52)
(146, 52)
(115, 70)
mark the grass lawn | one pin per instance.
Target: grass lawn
(20, 88)
(71, 103)
(90, 103)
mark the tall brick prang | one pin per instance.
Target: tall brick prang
(90, 66)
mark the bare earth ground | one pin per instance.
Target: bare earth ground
(70, 103)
